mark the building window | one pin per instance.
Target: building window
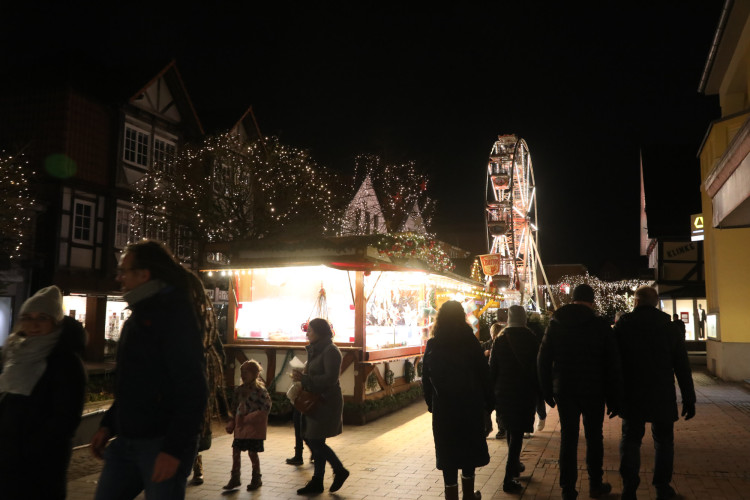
(136, 146)
(164, 152)
(123, 227)
(83, 222)
(183, 244)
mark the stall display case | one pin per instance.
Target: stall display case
(380, 309)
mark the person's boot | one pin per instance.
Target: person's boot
(451, 492)
(338, 480)
(598, 490)
(313, 487)
(234, 481)
(296, 459)
(255, 482)
(197, 471)
(467, 485)
(512, 486)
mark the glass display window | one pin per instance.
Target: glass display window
(117, 313)
(274, 304)
(397, 310)
(75, 307)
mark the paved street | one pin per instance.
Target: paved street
(393, 457)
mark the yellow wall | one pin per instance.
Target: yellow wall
(727, 251)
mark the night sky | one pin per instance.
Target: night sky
(587, 88)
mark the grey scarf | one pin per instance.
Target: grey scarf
(24, 361)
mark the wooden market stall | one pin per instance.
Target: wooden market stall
(380, 293)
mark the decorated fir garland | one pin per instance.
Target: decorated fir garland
(420, 367)
(389, 376)
(415, 246)
(408, 371)
(372, 382)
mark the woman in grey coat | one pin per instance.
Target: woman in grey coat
(321, 376)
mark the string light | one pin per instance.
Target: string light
(223, 189)
(611, 296)
(17, 201)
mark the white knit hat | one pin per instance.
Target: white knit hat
(46, 301)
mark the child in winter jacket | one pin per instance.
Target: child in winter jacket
(251, 407)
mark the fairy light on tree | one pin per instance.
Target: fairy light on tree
(17, 202)
(223, 189)
(399, 185)
(611, 296)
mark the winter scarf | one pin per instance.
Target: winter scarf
(25, 360)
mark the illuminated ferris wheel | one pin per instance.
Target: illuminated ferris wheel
(511, 219)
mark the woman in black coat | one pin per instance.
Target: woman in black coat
(457, 392)
(42, 389)
(513, 370)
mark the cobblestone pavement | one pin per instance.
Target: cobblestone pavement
(393, 457)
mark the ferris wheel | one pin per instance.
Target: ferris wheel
(511, 219)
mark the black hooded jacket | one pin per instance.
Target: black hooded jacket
(578, 357)
(653, 352)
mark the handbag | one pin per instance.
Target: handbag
(306, 401)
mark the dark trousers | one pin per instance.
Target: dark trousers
(630, 452)
(512, 465)
(323, 453)
(450, 476)
(541, 408)
(570, 409)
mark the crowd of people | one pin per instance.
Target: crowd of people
(581, 365)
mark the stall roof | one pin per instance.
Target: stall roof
(349, 253)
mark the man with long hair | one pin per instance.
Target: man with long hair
(160, 384)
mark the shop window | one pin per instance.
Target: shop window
(135, 148)
(83, 222)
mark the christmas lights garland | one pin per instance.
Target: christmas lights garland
(415, 246)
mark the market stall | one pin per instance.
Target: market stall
(380, 294)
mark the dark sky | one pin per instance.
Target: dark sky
(585, 87)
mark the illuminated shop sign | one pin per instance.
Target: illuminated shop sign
(696, 227)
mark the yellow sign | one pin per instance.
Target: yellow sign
(696, 227)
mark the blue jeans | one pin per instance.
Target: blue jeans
(322, 453)
(630, 452)
(128, 466)
(570, 410)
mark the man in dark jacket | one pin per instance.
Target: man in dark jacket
(653, 353)
(579, 371)
(160, 385)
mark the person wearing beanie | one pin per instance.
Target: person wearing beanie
(513, 373)
(42, 391)
(579, 371)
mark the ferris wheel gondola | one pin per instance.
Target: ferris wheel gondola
(511, 222)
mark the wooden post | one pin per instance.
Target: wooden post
(96, 321)
(231, 312)
(359, 312)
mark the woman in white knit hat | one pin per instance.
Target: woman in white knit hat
(42, 390)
